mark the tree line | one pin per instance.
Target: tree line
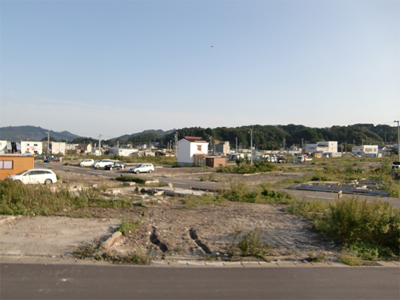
(270, 137)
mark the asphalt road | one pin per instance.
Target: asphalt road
(26, 281)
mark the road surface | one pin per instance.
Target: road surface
(34, 281)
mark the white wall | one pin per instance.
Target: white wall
(3, 147)
(184, 153)
(57, 148)
(186, 150)
(31, 147)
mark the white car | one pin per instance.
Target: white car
(35, 176)
(396, 165)
(142, 168)
(86, 163)
(102, 163)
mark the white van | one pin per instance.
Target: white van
(35, 176)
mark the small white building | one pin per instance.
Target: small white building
(123, 151)
(366, 150)
(192, 151)
(31, 147)
(55, 148)
(322, 147)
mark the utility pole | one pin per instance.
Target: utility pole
(100, 142)
(251, 145)
(236, 145)
(48, 141)
(176, 145)
(398, 138)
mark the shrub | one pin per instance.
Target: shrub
(131, 179)
(128, 226)
(18, 198)
(351, 221)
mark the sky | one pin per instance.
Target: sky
(120, 67)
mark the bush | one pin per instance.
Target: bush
(351, 221)
(131, 179)
(128, 226)
(18, 198)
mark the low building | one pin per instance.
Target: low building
(366, 150)
(84, 148)
(192, 151)
(222, 148)
(123, 151)
(215, 161)
(327, 147)
(31, 147)
(55, 148)
(13, 164)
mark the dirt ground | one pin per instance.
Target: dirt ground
(170, 231)
(196, 233)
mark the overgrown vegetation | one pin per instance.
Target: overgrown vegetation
(245, 167)
(240, 192)
(131, 179)
(19, 199)
(249, 245)
(128, 225)
(366, 230)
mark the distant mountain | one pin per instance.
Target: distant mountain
(23, 133)
(160, 133)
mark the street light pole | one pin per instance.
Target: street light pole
(398, 139)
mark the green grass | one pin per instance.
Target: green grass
(249, 245)
(244, 167)
(19, 199)
(128, 226)
(359, 226)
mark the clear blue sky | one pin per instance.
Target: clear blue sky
(120, 67)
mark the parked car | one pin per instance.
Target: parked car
(35, 176)
(396, 165)
(118, 165)
(142, 168)
(86, 163)
(53, 159)
(102, 163)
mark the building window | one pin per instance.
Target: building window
(6, 164)
(35, 145)
(199, 147)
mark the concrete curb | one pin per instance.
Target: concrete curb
(111, 240)
(23, 259)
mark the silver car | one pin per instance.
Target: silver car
(142, 168)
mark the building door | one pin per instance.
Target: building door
(201, 162)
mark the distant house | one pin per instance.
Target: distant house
(55, 147)
(366, 150)
(192, 151)
(123, 151)
(222, 147)
(327, 147)
(31, 147)
(84, 148)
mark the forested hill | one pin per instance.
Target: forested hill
(271, 137)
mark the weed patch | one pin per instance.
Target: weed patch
(131, 179)
(368, 230)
